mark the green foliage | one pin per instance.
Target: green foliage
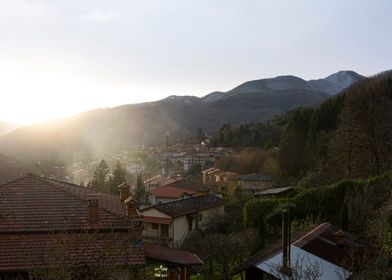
(221, 260)
(249, 160)
(256, 213)
(139, 191)
(292, 144)
(351, 204)
(264, 134)
(99, 181)
(117, 179)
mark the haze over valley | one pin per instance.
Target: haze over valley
(102, 132)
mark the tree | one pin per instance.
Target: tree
(117, 179)
(99, 180)
(139, 190)
(292, 144)
(362, 144)
(200, 135)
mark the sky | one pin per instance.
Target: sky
(58, 58)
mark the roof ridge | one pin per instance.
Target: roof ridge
(51, 181)
(305, 238)
(20, 178)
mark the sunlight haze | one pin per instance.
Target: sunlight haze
(59, 58)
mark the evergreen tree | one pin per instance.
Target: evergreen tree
(117, 179)
(139, 190)
(99, 180)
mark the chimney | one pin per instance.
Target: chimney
(340, 238)
(286, 232)
(124, 191)
(132, 206)
(93, 208)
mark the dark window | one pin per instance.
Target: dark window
(155, 226)
(164, 230)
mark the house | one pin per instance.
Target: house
(275, 192)
(168, 193)
(209, 175)
(47, 224)
(170, 223)
(325, 249)
(226, 180)
(253, 183)
(159, 180)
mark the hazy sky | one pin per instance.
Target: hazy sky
(58, 58)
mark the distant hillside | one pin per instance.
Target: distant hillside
(7, 127)
(105, 131)
(11, 169)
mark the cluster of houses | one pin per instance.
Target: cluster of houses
(191, 155)
(47, 223)
(228, 180)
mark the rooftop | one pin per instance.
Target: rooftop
(188, 206)
(171, 192)
(34, 204)
(41, 218)
(255, 178)
(170, 255)
(319, 241)
(274, 191)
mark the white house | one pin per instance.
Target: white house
(171, 222)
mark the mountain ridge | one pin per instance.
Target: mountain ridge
(104, 131)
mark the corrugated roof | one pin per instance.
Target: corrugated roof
(274, 191)
(302, 260)
(319, 241)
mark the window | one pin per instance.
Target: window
(164, 231)
(155, 226)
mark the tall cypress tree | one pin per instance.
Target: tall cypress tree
(117, 179)
(99, 180)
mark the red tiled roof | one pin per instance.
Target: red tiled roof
(171, 192)
(161, 253)
(37, 212)
(31, 251)
(189, 185)
(32, 203)
(157, 220)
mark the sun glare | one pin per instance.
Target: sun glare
(35, 95)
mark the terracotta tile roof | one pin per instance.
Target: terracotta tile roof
(157, 220)
(21, 252)
(32, 203)
(162, 181)
(35, 212)
(171, 192)
(188, 206)
(189, 185)
(170, 255)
